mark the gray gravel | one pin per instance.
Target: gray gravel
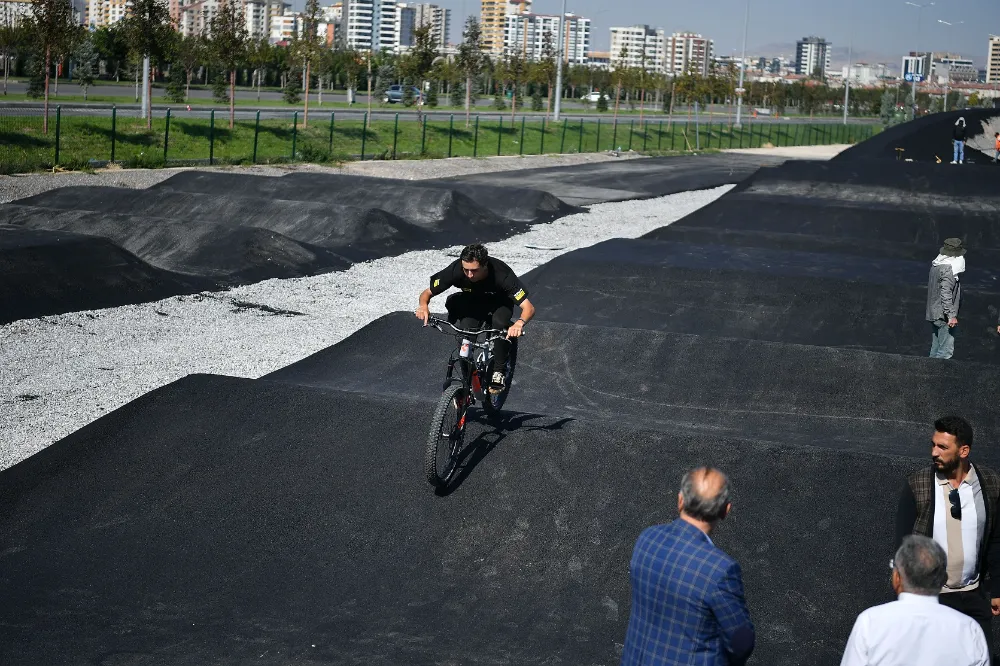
(26, 185)
(62, 372)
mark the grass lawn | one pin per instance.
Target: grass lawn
(24, 147)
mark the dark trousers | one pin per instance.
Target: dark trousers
(975, 604)
(470, 312)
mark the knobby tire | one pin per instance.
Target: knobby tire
(449, 414)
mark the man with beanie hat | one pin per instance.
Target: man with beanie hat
(944, 296)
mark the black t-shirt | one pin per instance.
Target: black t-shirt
(500, 281)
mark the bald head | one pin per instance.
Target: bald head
(705, 494)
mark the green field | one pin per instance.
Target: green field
(76, 142)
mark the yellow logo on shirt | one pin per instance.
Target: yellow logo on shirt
(436, 283)
(519, 295)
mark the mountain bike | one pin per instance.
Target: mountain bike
(470, 368)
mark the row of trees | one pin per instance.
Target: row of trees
(146, 36)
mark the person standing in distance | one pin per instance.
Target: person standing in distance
(944, 296)
(490, 291)
(955, 502)
(687, 595)
(959, 134)
(916, 630)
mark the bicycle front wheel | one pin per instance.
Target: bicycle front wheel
(446, 436)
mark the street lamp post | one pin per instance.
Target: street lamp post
(920, 12)
(947, 80)
(847, 79)
(559, 62)
(743, 66)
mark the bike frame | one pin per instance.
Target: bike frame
(478, 360)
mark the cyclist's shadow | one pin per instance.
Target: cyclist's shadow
(496, 431)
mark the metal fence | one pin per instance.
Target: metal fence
(89, 137)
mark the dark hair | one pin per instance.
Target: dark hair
(475, 253)
(709, 509)
(957, 426)
(922, 564)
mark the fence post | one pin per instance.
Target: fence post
(751, 134)
(295, 132)
(475, 139)
(166, 138)
(256, 133)
(423, 135)
(541, 150)
(451, 131)
(520, 147)
(114, 130)
(332, 117)
(614, 136)
(645, 135)
(58, 128)
(597, 146)
(211, 138)
(562, 144)
(395, 135)
(364, 135)
(659, 137)
(697, 127)
(631, 131)
(579, 148)
(673, 135)
(500, 136)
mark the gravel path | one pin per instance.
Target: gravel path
(59, 373)
(18, 187)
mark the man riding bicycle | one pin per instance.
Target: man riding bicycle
(490, 290)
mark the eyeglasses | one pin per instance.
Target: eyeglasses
(956, 504)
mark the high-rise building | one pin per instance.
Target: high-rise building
(951, 67)
(525, 34)
(916, 62)
(358, 22)
(260, 15)
(493, 19)
(688, 52)
(101, 13)
(864, 74)
(410, 16)
(812, 56)
(993, 60)
(638, 46)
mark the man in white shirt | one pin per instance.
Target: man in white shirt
(916, 630)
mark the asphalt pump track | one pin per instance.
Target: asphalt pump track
(286, 520)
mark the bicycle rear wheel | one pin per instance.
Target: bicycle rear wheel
(493, 403)
(446, 436)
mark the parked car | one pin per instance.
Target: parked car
(395, 94)
(592, 97)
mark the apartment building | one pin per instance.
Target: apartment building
(812, 56)
(410, 16)
(689, 52)
(525, 34)
(993, 60)
(639, 46)
(493, 19)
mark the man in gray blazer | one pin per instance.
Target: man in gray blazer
(944, 296)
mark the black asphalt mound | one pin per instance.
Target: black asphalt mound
(52, 272)
(226, 254)
(924, 139)
(348, 229)
(780, 393)
(907, 185)
(432, 209)
(228, 521)
(722, 298)
(629, 179)
(520, 204)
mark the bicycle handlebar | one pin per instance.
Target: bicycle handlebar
(497, 334)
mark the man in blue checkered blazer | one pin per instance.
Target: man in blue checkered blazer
(687, 595)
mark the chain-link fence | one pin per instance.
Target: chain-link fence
(76, 137)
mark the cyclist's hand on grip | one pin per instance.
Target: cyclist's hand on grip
(515, 330)
(423, 313)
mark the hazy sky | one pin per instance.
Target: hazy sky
(882, 29)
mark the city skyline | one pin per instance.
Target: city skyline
(883, 30)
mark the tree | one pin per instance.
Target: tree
(619, 76)
(259, 55)
(220, 91)
(36, 77)
(417, 64)
(353, 66)
(546, 68)
(229, 44)
(385, 74)
(515, 67)
(292, 92)
(602, 102)
(148, 33)
(12, 37)
(175, 84)
(85, 71)
(306, 48)
(190, 53)
(470, 59)
(52, 30)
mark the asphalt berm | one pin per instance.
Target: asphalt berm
(929, 138)
(286, 520)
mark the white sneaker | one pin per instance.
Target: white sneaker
(954, 162)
